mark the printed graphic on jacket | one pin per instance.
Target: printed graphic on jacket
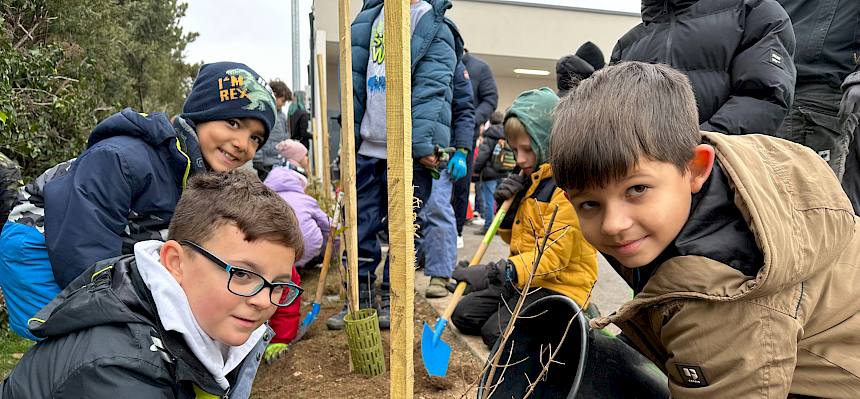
(376, 82)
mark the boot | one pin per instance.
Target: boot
(365, 300)
(384, 306)
(437, 289)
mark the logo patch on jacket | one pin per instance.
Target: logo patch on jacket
(692, 376)
(775, 58)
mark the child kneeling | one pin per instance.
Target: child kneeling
(567, 267)
(183, 318)
(743, 251)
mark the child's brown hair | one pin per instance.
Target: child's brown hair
(281, 90)
(623, 112)
(212, 199)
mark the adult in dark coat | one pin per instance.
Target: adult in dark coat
(298, 120)
(572, 68)
(486, 98)
(826, 55)
(737, 54)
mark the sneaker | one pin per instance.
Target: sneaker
(274, 352)
(460, 243)
(478, 221)
(384, 306)
(436, 289)
(365, 300)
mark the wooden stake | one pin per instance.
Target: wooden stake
(347, 152)
(398, 120)
(323, 136)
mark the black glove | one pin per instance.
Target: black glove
(510, 186)
(480, 277)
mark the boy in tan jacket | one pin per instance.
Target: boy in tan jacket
(742, 250)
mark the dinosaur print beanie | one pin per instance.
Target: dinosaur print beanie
(225, 90)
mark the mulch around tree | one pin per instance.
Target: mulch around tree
(318, 365)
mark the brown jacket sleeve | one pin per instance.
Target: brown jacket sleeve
(738, 349)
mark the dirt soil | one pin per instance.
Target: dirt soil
(318, 365)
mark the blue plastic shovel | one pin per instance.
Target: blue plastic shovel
(435, 352)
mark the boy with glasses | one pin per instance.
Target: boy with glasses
(183, 318)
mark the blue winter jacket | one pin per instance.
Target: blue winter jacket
(121, 190)
(435, 48)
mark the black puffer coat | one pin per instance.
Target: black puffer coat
(737, 54)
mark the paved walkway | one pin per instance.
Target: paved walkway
(609, 293)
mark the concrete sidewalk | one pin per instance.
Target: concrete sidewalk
(609, 293)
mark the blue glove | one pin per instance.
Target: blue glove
(457, 164)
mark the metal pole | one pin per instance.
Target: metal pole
(294, 14)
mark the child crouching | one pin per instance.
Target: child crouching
(182, 318)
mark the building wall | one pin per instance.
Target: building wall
(510, 87)
(506, 34)
(510, 29)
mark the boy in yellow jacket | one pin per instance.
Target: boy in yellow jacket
(742, 250)
(568, 266)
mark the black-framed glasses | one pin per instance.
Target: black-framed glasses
(246, 283)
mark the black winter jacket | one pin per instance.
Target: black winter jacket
(103, 339)
(298, 124)
(828, 39)
(483, 162)
(486, 94)
(737, 54)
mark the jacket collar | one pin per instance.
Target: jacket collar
(657, 10)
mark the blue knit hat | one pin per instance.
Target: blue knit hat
(225, 90)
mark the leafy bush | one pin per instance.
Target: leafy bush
(66, 64)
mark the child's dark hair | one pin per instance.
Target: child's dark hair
(623, 112)
(497, 117)
(213, 199)
(281, 90)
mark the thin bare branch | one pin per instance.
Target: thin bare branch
(545, 369)
(516, 311)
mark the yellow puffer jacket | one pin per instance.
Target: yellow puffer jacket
(569, 266)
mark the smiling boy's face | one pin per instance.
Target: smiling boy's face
(636, 217)
(229, 144)
(224, 316)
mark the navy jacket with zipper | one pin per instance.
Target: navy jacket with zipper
(737, 54)
(435, 48)
(104, 339)
(462, 110)
(121, 190)
(484, 90)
